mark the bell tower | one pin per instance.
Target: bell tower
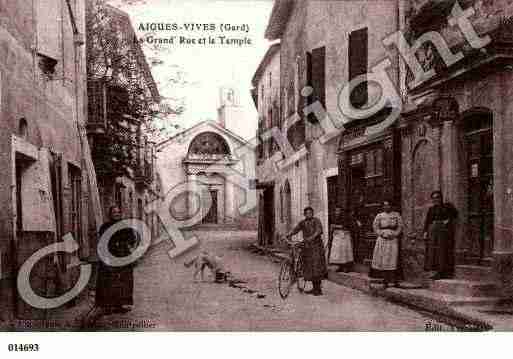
(230, 112)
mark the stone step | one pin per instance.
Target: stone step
(476, 261)
(464, 287)
(410, 294)
(426, 298)
(360, 281)
(473, 273)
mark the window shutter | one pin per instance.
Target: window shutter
(309, 82)
(36, 194)
(49, 28)
(358, 58)
(318, 74)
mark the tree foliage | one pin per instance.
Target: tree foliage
(120, 82)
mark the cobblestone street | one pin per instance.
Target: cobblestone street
(167, 298)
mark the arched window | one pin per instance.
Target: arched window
(209, 143)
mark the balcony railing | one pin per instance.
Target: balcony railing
(144, 174)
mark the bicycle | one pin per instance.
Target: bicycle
(291, 271)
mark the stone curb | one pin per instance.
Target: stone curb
(406, 298)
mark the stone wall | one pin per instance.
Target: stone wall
(49, 108)
(329, 24)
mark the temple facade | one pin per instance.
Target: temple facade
(210, 162)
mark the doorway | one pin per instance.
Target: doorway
(268, 216)
(479, 149)
(365, 195)
(287, 206)
(212, 215)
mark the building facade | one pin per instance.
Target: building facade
(279, 205)
(44, 192)
(452, 133)
(323, 46)
(456, 136)
(121, 98)
(209, 157)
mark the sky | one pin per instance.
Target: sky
(201, 70)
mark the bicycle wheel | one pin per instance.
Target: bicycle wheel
(300, 280)
(285, 279)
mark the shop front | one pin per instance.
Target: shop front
(369, 173)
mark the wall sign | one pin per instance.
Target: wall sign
(357, 159)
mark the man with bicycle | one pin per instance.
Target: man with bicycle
(312, 254)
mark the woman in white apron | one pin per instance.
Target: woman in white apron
(341, 252)
(388, 225)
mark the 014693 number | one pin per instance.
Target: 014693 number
(23, 347)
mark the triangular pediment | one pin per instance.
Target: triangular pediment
(206, 126)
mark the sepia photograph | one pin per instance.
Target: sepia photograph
(255, 166)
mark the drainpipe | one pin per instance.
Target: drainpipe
(78, 42)
(89, 187)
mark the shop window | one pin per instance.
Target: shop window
(379, 162)
(374, 163)
(374, 175)
(369, 161)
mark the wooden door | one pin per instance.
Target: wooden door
(480, 187)
(365, 195)
(212, 215)
(269, 215)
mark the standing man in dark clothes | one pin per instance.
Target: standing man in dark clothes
(439, 231)
(314, 258)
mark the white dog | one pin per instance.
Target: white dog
(212, 261)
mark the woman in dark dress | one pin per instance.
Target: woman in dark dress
(439, 237)
(114, 285)
(313, 255)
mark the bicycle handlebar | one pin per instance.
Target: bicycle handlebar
(293, 243)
